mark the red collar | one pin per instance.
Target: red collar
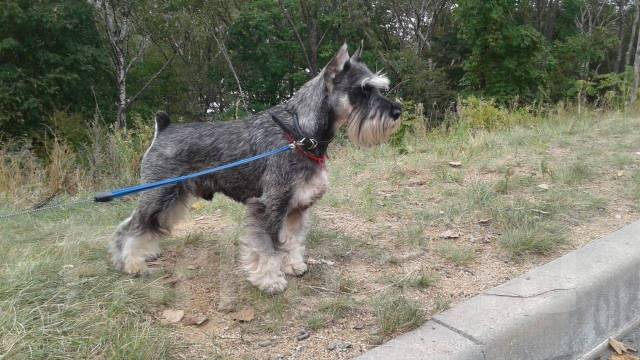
(319, 160)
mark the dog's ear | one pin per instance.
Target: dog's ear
(357, 56)
(336, 65)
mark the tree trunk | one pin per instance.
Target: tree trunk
(619, 66)
(121, 112)
(636, 71)
(632, 36)
(121, 83)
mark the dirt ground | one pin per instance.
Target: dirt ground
(195, 271)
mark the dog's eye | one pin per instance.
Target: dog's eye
(367, 88)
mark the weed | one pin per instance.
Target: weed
(441, 304)
(459, 255)
(575, 173)
(396, 313)
(317, 321)
(339, 307)
(532, 238)
(421, 280)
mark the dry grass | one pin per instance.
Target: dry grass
(523, 195)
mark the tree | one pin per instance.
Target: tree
(117, 19)
(51, 58)
(505, 57)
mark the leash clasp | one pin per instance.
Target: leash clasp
(307, 143)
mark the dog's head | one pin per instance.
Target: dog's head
(355, 98)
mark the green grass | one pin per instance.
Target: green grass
(575, 173)
(317, 321)
(421, 280)
(60, 299)
(338, 308)
(532, 238)
(395, 313)
(457, 254)
(635, 188)
(399, 202)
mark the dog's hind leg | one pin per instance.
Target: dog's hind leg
(259, 257)
(292, 237)
(137, 238)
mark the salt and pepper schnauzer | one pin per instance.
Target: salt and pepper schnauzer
(278, 190)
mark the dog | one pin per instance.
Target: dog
(277, 191)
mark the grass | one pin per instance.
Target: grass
(339, 307)
(375, 235)
(532, 238)
(395, 313)
(457, 254)
(422, 279)
(59, 300)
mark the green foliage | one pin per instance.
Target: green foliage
(506, 56)
(51, 58)
(54, 59)
(574, 58)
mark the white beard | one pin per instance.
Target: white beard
(373, 131)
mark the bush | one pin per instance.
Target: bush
(412, 126)
(68, 164)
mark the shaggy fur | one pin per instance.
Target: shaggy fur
(278, 190)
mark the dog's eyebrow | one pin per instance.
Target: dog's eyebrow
(378, 80)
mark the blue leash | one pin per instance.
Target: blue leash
(110, 195)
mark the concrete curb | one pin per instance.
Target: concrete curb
(561, 310)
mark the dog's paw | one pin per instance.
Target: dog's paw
(271, 283)
(275, 286)
(294, 268)
(134, 266)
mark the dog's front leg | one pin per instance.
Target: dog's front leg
(291, 246)
(259, 256)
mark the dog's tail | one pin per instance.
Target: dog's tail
(162, 120)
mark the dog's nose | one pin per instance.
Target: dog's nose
(396, 111)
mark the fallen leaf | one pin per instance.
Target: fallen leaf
(195, 320)
(484, 221)
(449, 234)
(455, 163)
(619, 347)
(192, 267)
(620, 173)
(173, 316)
(244, 315)
(544, 186)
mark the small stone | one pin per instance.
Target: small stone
(344, 346)
(358, 326)
(374, 331)
(264, 343)
(332, 345)
(303, 335)
(191, 267)
(194, 320)
(544, 186)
